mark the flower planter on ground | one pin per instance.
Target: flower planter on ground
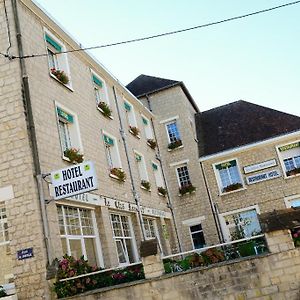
(146, 185)
(175, 145)
(293, 172)
(232, 187)
(118, 174)
(162, 191)
(151, 143)
(186, 189)
(134, 130)
(73, 155)
(105, 109)
(60, 75)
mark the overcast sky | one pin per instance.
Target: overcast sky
(256, 59)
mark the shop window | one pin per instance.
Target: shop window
(197, 236)
(79, 234)
(290, 157)
(228, 176)
(124, 239)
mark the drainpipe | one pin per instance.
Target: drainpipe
(31, 131)
(134, 191)
(170, 201)
(212, 206)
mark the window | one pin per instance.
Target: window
(79, 234)
(68, 130)
(290, 156)
(228, 176)
(142, 169)
(3, 224)
(173, 133)
(112, 151)
(197, 236)
(151, 230)
(130, 115)
(240, 224)
(147, 128)
(158, 175)
(58, 63)
(124, 238)
(292, 201)
(183, 176)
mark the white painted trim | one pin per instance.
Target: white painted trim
(249, 146)
(182, 162)
(6, 193)
(103, 132)
(193, 221)
(169, 120)
(290, 198)
(104, 86)
(143, 161)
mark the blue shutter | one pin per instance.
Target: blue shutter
(97, 81)
(65, 115)
(53, 43)
(108, 140)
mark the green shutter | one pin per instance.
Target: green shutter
(108, 140)
(127, 106)
(138, 157)
(226, 165)
(145, 121)
(154, 167)
(97, 81)
(65, 115)
(288, 147)
(53, 43)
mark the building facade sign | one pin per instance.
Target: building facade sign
(263, 176)
(25, 253)
(260, 166)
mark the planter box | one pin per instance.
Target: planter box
(11, 297)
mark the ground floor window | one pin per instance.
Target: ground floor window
(124, 238)
(292, 201)
(197, 235)
(78, 233)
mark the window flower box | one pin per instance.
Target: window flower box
(151, 143)
(189, 188)
(60, 75)
(232, 187)
(73, 155)
(2, 292)
(134, 131)
(293, 172)
(146, 185)
(105, 109)
(118, 174)
(175, 145)
(162, 191)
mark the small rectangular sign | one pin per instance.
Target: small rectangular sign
(25, 253)
(263, 176)
(74, 180)
(260, 166)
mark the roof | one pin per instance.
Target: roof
(240, 123)
(145, 85)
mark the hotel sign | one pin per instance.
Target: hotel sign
(74, 180)
(260, 166)
(263, 176)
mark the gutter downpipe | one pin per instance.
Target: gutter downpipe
(213, 207)
(32, 133)
(170, 202)
(134, 192)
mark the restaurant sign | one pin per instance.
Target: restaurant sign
(260, 166)
(263, 176)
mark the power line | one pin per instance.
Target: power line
(161, 34)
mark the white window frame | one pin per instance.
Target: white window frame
(75, 137)
(193, 222)
(289, 199)
(3, 224)
(156, 232)
(105, 91)
(166, 128)
(224, 227)
(130, 115)
(95, 236)
(118, 162)
(132, 238)
(61, 59)
(177, 175)
(142, 167)
(191, 234)
(218, 177)
(147, 128)
(282, 160)
(158, 176)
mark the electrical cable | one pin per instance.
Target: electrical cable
(158, 35)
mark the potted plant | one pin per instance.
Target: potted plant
(293, 172)
(152, 143)
(146, 185)
(296, 236)
(188, 188)
(175, 144)
(162, 191)
(74, 155)
(118, 173)
(134, 130)
(105, 109)
(60, 75)
(232, 187)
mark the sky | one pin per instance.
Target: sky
(255, 59)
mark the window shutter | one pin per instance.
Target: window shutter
(69, 118)
(97, 81)
(288, 147)
(108, 140)
(145, 121)
(127, 106)
(138, 158)
(226, 165)
(53, 43)
(154, 167)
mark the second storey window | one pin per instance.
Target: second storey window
(173, 135)
(3, 224)
(142, 169)
(112, 153)
(290, 156)
(130, 115)
(228, 176)
(159, 179)
(184, 180)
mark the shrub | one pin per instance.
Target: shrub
(162, 190)
(73, 155)
(175, 144)
(146, 184)
(60, 75)
(105, 109)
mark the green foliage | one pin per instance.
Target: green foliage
(73, 155)
(119, 173)
(296, 236)
(60, 75)
(232, 187)
(162, 190)
(2, 292)
(175, 144)
(146, 184)
(134, 130)
(152, 143)
(105, 109)
(189, 188)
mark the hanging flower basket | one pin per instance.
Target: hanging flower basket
(189, 188)
(162, 191)
(118, 173)
(73, 155)
(152, 143)
(60, 75)
(175, 144)
(232, 187)
(146, 185)
(105, 109)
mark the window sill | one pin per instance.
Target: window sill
(108, 117)
(291, 176)
(189, 193)
(180, 147)
(116, 178)
(150, 146)
(162, 195)
(143, 188)
(68, 86)
(69, 161)
(231, 192)
(137, 136)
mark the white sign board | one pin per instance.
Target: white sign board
(74, 180)
(263, 176)
(260, 166)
